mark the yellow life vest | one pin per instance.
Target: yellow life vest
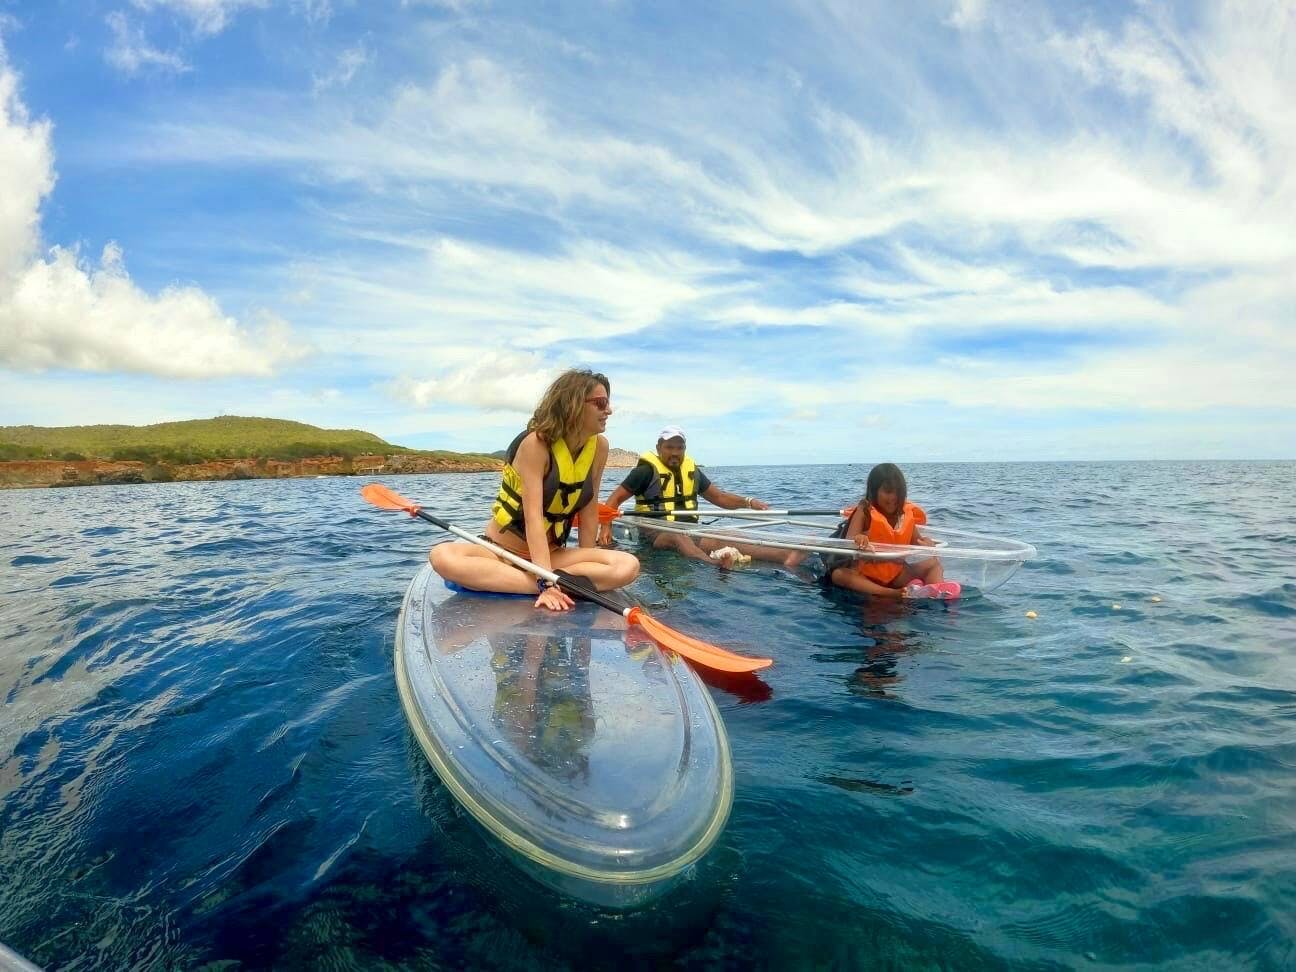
(671, 490)
(568, 486)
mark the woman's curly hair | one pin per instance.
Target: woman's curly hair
(559, 411)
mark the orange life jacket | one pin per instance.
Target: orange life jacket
(881, 531)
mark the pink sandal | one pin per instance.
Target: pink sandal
(941, 591)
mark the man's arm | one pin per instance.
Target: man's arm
(618, 496)
(732, 501)
(636, 481)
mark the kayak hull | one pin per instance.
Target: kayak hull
(979, 563)
(596, 762)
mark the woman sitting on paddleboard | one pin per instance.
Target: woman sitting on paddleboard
(885, 515)
(550, 483)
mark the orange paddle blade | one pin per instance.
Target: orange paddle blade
(387, 499)
(698, 652)
(607, 513)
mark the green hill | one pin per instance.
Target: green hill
(201, 440)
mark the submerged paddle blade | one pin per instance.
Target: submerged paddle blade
(698, 652)
(388, 499)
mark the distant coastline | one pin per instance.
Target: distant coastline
(224, 448)
(17, 474)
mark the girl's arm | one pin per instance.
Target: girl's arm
(587, 516)
(857, 528)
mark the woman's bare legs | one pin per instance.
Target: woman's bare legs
(479, 569)
(608, 569)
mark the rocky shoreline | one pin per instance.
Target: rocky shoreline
(24, 473)
(28, 473)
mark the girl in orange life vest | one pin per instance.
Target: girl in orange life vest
(884, 515)
(550, 483)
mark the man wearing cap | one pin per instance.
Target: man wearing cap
(668, 480)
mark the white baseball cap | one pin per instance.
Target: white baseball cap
(671, 432)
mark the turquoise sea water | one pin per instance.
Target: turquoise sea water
(203, 758)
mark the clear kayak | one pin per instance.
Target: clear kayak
(600, 764)
(11, 961)
(979, 563)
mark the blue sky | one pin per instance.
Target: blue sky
(807, 232)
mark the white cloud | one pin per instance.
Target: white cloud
(207, 16)
(967, 13)
(486, 129)
(61, 312)
(65, 313)
(505, 381)
(592, 289)
(131, 52)
(890, 311)
(454, 6)
(348, 63)
(28, 175)
(1088, 198)
(1161, 380)
(316, 12)
(1135, 182)
(478, 127)
(405, 299)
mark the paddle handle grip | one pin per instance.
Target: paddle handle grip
(436, 520)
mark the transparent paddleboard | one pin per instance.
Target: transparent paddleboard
(599, 762)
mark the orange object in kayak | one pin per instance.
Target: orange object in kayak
(881, 531)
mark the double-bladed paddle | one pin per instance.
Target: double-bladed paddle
(609, 513)
(698, 652)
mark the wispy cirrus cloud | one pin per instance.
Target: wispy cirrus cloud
(131, 52)
(348, 63)
(1088, 201)
(1001, 212)
(206, 16)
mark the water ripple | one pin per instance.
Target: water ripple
(203, 759)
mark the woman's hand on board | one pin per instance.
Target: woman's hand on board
(554, 599)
